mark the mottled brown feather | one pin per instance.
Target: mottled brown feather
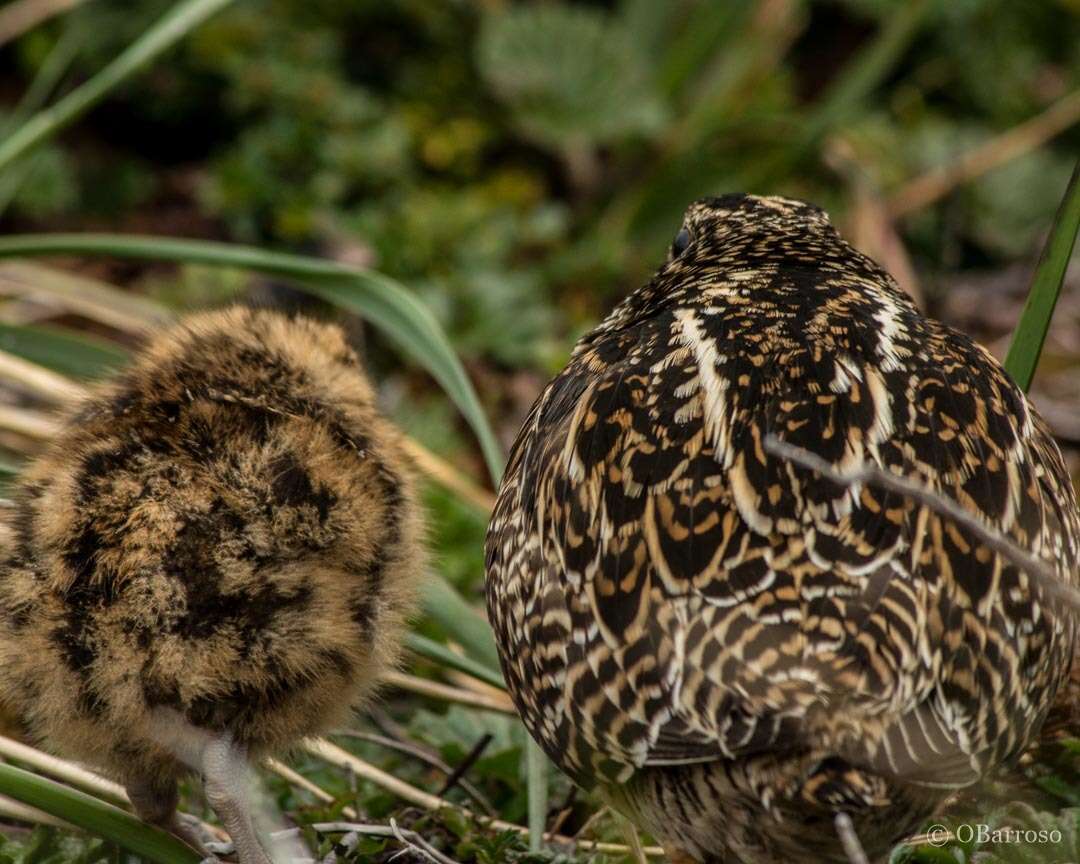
(226, 530)
(733, 648)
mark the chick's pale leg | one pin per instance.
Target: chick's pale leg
(227, 781)
(227, 777)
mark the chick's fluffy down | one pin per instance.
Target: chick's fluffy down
(227, 530)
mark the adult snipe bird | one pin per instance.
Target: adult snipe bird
(736, 650)
(213, 560)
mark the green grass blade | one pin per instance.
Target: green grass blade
(173, 26)
(1030, 333)
(449, 609)
(698, 42)
(537, 782)
(8, 470)
(855, 83)
(439, 653)
(47, 79)
(61, 350)
(847, 93)
(375, 297)
(96, 816)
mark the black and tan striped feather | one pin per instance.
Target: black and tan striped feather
(676, 609)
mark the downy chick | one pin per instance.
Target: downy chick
(215, 558)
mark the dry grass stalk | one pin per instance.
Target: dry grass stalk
(850, 840)
(24, 15)
(29, 424)
(61, 769)
(445, 474)
(475, 685)
(80, 295)
(938, 182)
(490, 700)
(298, 780)
(22, 313)
(38, 379)
(343, 759)
(427, 757)
(16, 811)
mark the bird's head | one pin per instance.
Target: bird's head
(725, 239)
(712, 226)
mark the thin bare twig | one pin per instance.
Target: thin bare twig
(938, 182)
(850, 840)
(404, 836)
(424, 756)
(416, 842)
(458, 774)
(938, 503)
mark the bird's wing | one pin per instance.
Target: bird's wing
(688, 595)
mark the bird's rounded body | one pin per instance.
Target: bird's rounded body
(225, 534)
(730, 647)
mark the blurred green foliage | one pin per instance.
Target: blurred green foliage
(49, 846)
(520, 163)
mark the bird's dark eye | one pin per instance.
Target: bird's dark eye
(679, 244)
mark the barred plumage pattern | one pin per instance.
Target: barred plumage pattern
(732, 648)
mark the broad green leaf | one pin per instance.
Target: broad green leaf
(92, 814)
(1030, 333)
(457, 617)
(379, 299)
(61, 350)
